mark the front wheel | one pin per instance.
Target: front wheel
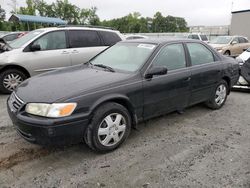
(10, 79)
(219, 96)
(109, 128)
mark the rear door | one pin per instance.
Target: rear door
(206, 72)
(84, 45)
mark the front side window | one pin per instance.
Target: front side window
(221, 40)
(172, 57)
(125, 56)
(52, 41)
(84, 38)
(199, 54)
(236, 39)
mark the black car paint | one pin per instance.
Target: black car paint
(90, 87)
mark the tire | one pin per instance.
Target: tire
(103, 134)
(227, 53)
(17, 76)
(219, 96)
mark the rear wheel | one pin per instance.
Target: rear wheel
(227, 53)
(109, 128)
(219, 96)
(10, 79)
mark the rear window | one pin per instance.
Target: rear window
(203, 37)
(194, 37)
(109, 38)
(84, 38)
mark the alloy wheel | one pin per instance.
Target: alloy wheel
(11, 81)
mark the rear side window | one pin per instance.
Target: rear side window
(109, 38)
(243, 40)
(199, 54)
(203, 37)
(83, 38)
(171, 56)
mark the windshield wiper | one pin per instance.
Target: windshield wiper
(105, 67)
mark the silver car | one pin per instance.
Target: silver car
(51, 48)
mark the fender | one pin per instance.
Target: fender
(118, 98)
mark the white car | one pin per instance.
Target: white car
(200, 37)
(48, 49)
(244, 62)
(132, 37)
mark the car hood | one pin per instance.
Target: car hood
(60, 85)
(245, 55)
(217, 45)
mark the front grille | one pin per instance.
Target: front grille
(15, 103)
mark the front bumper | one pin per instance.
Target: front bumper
(47, 131)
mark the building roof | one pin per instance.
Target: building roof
(240, 11)
(36, 19)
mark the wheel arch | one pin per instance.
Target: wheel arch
(120, 99)
(227, 50)
(228, 80)
(14, 66)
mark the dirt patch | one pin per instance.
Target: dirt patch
(22, 156)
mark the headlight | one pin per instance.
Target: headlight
(220, 51)
(55, 110)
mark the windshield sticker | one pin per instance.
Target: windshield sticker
(147, 46)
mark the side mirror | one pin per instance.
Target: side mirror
(35, 47)
(234, 42)
(156, 71)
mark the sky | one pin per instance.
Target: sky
(196, 12)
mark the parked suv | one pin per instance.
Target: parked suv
(49, 49)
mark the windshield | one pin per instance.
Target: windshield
(18, 43)
(125, 56)
(221, 40)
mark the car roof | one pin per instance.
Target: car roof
(78, 28)
(160, 41)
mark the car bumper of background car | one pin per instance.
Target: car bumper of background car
(49, 132)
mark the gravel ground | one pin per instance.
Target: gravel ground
(200, 148)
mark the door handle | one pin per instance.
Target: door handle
(75, 52)
(65, 52)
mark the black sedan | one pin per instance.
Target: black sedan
(130, 82)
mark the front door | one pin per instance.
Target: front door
(54, 53)
(169, 92)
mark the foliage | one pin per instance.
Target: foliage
(132, 23)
